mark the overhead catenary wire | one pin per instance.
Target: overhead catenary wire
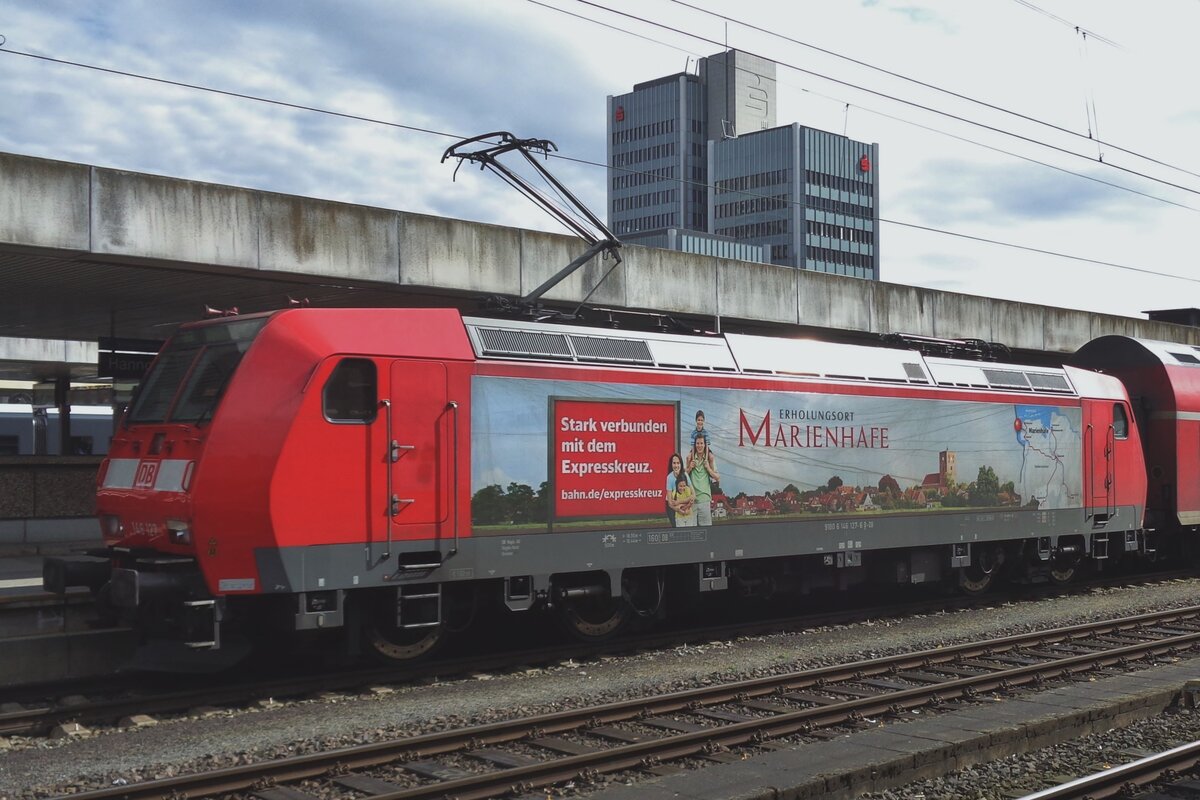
(1078, 28)
(1046, 164)
(933, 87)
(1090, 96)
(224, 92)
(433, 132)
(914, 81)
(956, 234)
(893, 117)
(914, 226)
(911, 103)
(233, 94)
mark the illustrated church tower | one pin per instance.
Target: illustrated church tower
(948, 467)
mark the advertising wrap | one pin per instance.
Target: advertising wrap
(553, 455)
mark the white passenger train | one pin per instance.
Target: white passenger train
(29, 430)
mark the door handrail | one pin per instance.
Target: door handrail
(453, 407)
(1111, 464)
(391, 504)
(1089, 452)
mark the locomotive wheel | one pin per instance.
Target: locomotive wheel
(390, 643)
(594, 619)
(979, 576)
(973, 580)
(1061, 576)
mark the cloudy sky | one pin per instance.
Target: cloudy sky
(1000, 126)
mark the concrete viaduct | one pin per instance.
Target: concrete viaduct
(87, 251)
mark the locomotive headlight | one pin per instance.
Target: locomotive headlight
(111, 525)
(178, 532)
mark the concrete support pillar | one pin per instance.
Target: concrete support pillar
(62, 399)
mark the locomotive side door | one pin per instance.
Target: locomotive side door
(420, 456)
(1099, 455)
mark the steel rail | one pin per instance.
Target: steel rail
(734, 734)
(697, 743)
(40, 716)
(1116, 781)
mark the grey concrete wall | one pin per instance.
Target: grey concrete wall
(47, 503)
(332, 240)
(36, 487)
(148, 217)
(55, 206)
(43, 203)
(48, 350)
(773, 298)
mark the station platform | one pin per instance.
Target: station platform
(48, 536)
(20, 575)
(21, 562)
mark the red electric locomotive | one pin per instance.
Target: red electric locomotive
(377, 473)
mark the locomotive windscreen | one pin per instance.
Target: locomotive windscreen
(187, 380)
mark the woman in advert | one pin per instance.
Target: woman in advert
(702, 470)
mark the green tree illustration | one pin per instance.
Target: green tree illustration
(987, 488)
(488, 506)
(520, 501)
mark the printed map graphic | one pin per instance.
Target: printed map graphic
(1046, 438)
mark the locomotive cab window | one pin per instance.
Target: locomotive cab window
(1120, 422)
(209, 376)
(351, 393)
(190, 375)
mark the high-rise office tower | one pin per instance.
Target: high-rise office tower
(701, 153)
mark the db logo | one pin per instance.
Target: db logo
(147, 471)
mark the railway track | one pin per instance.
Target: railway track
(104, 701)
(1161, 770)
(655, 734)
(128, 695)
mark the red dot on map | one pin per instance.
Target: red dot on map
(1017, 425)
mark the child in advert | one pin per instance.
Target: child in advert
(699, 431)
(683, 500)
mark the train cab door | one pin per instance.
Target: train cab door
(1099, 457)
(420, 451)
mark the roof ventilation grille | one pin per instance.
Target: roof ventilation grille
(1006, 378)
(531, 344)
(624, 351)
(915, 373)
(1048, 383)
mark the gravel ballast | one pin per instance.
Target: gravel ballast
(1031, 772)
(41, 767)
